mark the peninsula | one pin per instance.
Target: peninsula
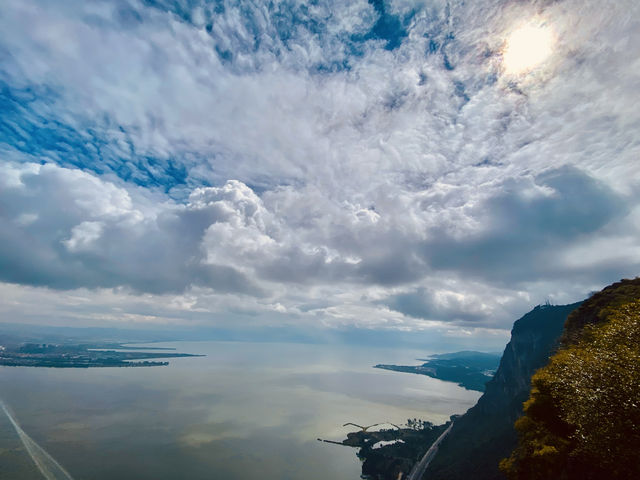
(468, 369)
(83, 355)
(391, 453)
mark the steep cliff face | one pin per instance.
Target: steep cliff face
(581, 420)
(485, 434)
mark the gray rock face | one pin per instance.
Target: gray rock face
(485, 434)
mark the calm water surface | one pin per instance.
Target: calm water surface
(245, 411)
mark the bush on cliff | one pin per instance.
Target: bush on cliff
(582, 419)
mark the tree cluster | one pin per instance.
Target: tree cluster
(582, 419)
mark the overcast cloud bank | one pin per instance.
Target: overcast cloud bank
(339, 164)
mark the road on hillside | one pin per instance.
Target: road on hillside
(419, 468)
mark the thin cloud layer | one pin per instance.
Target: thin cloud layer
(345, 163)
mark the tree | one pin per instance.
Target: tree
(582, 420)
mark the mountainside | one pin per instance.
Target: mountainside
(582, 419)
(485, 434)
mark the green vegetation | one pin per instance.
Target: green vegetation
(399, 450)
(485, 433)
(471, 370)
(582, 419)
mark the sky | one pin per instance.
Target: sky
(372, 165)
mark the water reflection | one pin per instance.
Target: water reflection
(245, 411)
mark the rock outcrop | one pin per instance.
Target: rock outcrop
(485, 434)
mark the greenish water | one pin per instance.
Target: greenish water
(245, 411)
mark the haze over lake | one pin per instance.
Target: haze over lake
(245, 411)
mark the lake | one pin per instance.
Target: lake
(245, 411)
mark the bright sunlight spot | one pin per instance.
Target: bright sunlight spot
(526, 48)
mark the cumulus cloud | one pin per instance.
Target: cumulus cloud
(526, 225)
(86, 232)
(363, 162)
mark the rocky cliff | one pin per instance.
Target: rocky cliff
(485, 434)
(581, 420)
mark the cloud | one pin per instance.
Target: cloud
(363, 161)
(525, 225)
(85, 232)
(441, 305)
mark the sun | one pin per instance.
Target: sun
(526, 48)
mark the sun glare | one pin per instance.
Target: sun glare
(526, 48)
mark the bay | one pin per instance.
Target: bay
(244, 411)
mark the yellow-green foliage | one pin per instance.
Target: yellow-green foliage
(582, 419)
(596, 309)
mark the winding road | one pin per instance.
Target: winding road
(419, 468)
